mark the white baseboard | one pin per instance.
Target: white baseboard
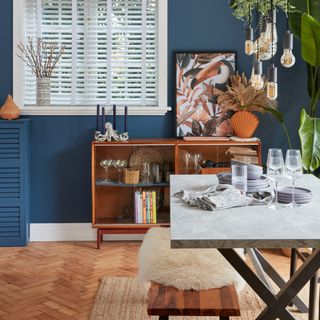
(73, 232)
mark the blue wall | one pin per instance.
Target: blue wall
(60, 172)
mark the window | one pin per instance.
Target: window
(112, 53)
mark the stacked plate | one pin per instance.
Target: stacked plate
(301, 195)
(252, 185)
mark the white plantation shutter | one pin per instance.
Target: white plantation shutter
(111, 53)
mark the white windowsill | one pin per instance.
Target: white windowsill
(90, 110)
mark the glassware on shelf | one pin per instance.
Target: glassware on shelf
(119, 165)
(239, 177)
(293, 170)
(275, 172)
(146, 176)
(156, 172)
(187, 158)
(106, 164)
(197, 157)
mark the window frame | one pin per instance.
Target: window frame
(18, 73)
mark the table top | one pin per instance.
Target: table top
(243, 227)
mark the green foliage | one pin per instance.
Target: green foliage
(310, 40)
(311, 7)
(242, 8)
(309, 133)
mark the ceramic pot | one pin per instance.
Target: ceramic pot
(43, 91)
(224, 129)
(9, 110)
(244, 124)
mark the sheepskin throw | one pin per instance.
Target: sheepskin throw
(185, 269)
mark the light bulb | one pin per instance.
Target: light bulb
(268, 39)
(272, 85)
(288, 59)
(256, 78)
(248, 46)
(257, 82)
(272, 90)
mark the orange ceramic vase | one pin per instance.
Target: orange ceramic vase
(244, 124)
(9, 110)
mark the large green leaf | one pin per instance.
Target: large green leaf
(300, 7)
(309, 133)
(310, 40)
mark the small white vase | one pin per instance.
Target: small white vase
(43, 91)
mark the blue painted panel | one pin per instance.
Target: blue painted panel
(14, 179)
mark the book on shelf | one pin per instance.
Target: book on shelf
(145, 206)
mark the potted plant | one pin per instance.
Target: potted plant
(41, 57)
(243, 100)
(305, 24)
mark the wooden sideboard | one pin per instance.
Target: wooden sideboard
(113, 202)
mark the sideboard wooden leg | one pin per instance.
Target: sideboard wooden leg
(98, 238)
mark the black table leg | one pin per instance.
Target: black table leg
(279, 281)
(313, 297)
(253, 281)
(293, 265)
(276, 304)
(292, 287)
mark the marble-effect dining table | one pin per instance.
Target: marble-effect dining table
(252, 227)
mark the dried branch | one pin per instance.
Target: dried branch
(40, 56)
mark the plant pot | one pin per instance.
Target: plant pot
(43, 91)
(244, 124)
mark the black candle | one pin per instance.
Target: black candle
(114, 117)
(97, 117)
(103, 130)
(125, 119)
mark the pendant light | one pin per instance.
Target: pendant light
(287, 58)
(256, 77)
(248, 46)
(272, 85)
(257, 80)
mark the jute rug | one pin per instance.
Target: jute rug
(125, 299)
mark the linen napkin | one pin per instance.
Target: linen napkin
(216, 197)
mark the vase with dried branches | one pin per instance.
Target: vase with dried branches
(41, 57)
(243, 99)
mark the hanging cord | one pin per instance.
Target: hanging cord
(287, 5)
(272, 20)
(257, 28)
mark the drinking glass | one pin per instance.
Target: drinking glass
(119, 165)
(146, 172)
(275, 172)
(239, 177)
(187, 158)
(106, 164)
(293, 170)
(197, 158)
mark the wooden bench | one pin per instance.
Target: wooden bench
(168, 301)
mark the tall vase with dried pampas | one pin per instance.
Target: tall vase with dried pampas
(41, 57)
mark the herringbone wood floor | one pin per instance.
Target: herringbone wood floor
(58, 281)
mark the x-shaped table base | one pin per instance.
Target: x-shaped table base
(276, 303)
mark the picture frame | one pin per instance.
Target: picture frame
(200, 76)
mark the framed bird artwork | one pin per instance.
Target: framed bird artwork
(200, 76)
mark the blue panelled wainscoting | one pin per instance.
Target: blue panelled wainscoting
(60, 145)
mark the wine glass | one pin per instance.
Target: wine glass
(275, 172)
(106, 164)
(119, 165)
(293, 170)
